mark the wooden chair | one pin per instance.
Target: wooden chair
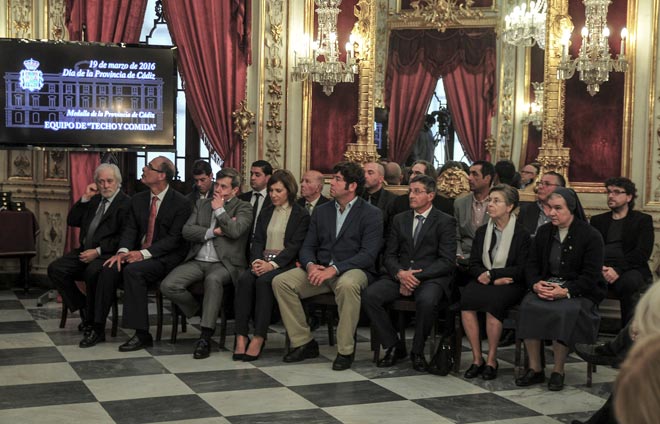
(197, 290)
(115, 317)
(450, 321)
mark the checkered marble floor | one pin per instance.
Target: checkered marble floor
(46, 378)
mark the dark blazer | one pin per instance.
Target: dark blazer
(247, 197)
(528, 216)
(402, 204)
(168, 245)
(108, 232)
(294, 235)
(637, 239)
(235, 224)
(193, 196)
(321, 201)
(581, 260)
(515, 261)
(355, 247)
(435, 252)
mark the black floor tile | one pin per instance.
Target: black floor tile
(349, 393)
(111, 368)
(44, 394)
(218, 381)
(182, 346)
(19, 327)
(306, 416)
(568, 418)
(475, 408)
(30, 355)
(11, 304)
(168, 408)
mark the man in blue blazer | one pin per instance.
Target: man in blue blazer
(420, 262)
(151, 245)
(338, 255)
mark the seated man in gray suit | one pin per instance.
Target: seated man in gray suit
(338, 255)
(218, 230)
(419, 258)
(470, 210)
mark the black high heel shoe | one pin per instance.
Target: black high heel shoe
(239, 356)
(250, 358)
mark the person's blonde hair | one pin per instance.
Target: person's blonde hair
(637, 388)
(646, 320)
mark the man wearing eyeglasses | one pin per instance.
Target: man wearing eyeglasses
(533, 215)
(150, 246)
(628, 236)
(420, 262)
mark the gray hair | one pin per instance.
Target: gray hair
(111, 166)
(510, 194)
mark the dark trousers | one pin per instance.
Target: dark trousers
(258, 292)
(63, 272)
(628, 289)
(137, 278)
(427, 299)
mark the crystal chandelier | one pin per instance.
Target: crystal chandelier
(525, 25)
(534, 115)
(324, 66)
(594, 62)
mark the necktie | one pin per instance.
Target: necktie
(94, 224)
(308, 206)
(152, 223)
(255, 206)
(418, 228)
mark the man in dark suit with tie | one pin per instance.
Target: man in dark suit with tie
(260, 173)
(203, 177)
(218, 231)
(338, 255)
(100, 214)
(311, 186)
(150, 246)
(420, 262)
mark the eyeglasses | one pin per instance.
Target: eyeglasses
(150, 166)
(494, 200)
(616, 192)
(547, 184)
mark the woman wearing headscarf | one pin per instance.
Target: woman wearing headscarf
(564, 276)
(497, 277)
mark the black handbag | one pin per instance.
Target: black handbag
(443, 360)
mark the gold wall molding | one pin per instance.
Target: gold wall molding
(56, 166)
(364, 150)
(20, 165)
(21, 19)
(243, 121)
(506, 97)
(440, 15)
(54, 16)
(52, 236)
(274, 80)
(381, 46)
(653, 145)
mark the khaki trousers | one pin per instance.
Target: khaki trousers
(293, 285)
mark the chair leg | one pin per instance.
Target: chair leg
(589, 369)
(516, 360)
(223, 328)
(458, 342)
(375, 345)
(159, 315)
(329, 319)
(115, 318)
(184, 322)
(65, 313)
(175, 323)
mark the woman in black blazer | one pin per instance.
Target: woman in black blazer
(497, 277)
(278, 235)
(564, 275)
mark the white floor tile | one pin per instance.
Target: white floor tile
(147, 386)
(302, 374)
(105, 350)
(427, 386)
(185, 363)
(242, 402)
(541, 400)
(8, 315)
(24, 340)
(57, 414)
(37, 373)
(385, 413)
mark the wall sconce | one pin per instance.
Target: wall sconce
(534, 114)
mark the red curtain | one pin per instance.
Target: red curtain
(212, 43)
(106, 21)
(415, 62)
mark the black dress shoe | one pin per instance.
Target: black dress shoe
(250, 358)
(556, 382)
(392, 356)
(597, 354)
(202, 349)
(306, 351)
(419, 362)
(530, 377)
(490, 373)
(92, 338)
(475, 370)
(342, 362)
(137, 343)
